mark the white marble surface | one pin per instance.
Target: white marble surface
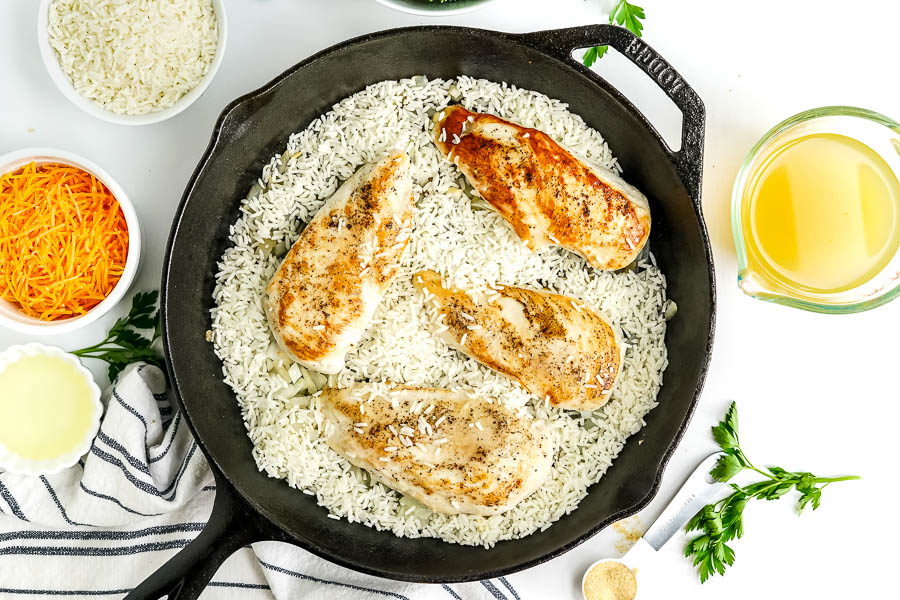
(816, 392)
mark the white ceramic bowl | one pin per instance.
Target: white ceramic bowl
(17, 464)
(10, 315)
(92, 108)
(435, 9)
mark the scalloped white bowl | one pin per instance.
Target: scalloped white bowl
(17, 464)
(10, 315)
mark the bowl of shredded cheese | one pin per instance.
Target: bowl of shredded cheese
(70, 243)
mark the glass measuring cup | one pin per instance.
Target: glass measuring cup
(757, 276)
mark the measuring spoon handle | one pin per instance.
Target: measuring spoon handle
(699, 489)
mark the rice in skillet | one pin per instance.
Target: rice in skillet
(454, 234)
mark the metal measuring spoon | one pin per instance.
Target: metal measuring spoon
(697, 491)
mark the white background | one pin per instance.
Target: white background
(815, 392)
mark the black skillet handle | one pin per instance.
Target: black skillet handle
(560, 43)
(232, 525)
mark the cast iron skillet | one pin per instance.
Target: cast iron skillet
(250, 506)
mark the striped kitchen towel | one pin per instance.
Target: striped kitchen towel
(141, 494)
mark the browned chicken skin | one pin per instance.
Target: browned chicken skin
(547, 195)
(554, 346)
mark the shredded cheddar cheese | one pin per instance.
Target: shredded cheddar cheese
(63, 240)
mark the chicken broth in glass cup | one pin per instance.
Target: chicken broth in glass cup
(816, 212)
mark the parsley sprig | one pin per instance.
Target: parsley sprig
(625, 15)
(124, 344)
(722, 521)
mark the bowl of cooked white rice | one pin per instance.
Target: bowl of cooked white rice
(131, 62)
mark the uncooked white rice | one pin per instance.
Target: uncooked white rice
(457, 235)
(133, 57)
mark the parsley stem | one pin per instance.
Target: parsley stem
(827, 480)
(95, 347)
(84, 351)
(760, 471)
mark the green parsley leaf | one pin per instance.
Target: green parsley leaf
(724, 436)
(731, 418)
(726, 467)
(124, 344)
(630, 16)
(592, 55)
(625, 15)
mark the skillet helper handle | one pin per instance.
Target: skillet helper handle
(231, 526)
(560, 43)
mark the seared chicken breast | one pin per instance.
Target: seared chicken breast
(451, 451)
(556, 347)
(323, 295)
(547, 195)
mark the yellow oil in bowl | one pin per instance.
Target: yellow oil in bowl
(817, 215)
(48, 411)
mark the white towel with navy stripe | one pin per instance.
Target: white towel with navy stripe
(142, 493)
